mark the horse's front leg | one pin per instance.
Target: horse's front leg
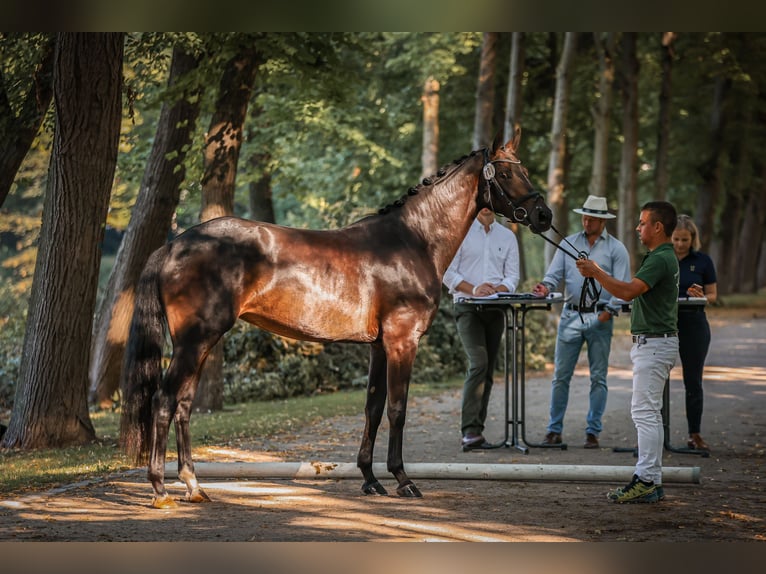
(400, 361)
(373, 414)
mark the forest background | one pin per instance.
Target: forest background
(118, 142)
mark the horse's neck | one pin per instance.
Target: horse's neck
(444, 213)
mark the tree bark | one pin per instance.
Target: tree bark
(557, 159)
(602, 113)
(430, 155)
(626, 217)
(17, 132)
(663, 124)
(51, 407)
(710, 170)
(514, 102)
(513, 106)
(148, 229)
(752, 237)
(485, 92)
(221, 154)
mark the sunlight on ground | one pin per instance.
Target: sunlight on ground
(318, 509)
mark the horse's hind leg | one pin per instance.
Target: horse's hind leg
(173, 399)
(373, 411)
(194, 492)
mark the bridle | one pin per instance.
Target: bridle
(520, 214)
(590, 289)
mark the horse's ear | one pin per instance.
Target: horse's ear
(498, 142)
(514, 143)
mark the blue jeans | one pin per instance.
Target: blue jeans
(572, 333)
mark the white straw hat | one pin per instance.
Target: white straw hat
(595, 206)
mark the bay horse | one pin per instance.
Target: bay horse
(377, 281)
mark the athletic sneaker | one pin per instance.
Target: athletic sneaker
(636, 491)
(660, 492)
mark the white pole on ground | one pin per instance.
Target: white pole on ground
(431, 470)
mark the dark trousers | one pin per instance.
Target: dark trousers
(693, 344)
(481, 333)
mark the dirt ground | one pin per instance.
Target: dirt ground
(727, 504)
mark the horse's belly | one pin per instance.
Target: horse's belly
(313, 321)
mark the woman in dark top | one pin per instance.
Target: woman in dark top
(697, 279)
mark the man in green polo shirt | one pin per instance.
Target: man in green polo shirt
(653, 324)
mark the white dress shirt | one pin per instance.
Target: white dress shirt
(485, 257)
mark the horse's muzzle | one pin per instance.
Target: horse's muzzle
(540, 218)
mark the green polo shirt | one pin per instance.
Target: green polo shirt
(656, 311)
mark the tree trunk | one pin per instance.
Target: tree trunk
(51, 407)
(514, 102)
(259, 196)
(17, 132)
(148, 229)
(221, 155)
(752, 237)
(557, 160)
(513, 107)
(710, 169)
(663, 123)
(430, 155)
(740, 158)
(485, 92)
(602, 113)
(626, 217)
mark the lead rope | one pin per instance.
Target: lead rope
(591, 291)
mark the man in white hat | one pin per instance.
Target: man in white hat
(592, 323)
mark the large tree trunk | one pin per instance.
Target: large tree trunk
(485, 92)
(711, 168)
(740, 158)
(430, 156)
(148, 229)
(626, 217)
(513, 106)
(221, 154)
(557, 160)
(602, 113)
(51, 407)
(751, 238)
(663, 123)
(18, 131)
(514, 101)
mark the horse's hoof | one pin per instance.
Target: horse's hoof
(374, 488)
(163, 502)
(198, 495)
(408, 490)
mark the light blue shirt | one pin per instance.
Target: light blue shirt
(485, 257)
(607, 251)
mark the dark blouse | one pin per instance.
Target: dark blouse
(696, 267)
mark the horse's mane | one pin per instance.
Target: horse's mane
(443, 172)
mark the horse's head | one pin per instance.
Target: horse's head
(505, 188)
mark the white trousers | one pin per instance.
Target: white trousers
(652, 362)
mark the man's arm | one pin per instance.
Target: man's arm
(626, 290)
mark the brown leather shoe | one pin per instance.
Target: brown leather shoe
(591, 441)
(696, 442)
(552, 438)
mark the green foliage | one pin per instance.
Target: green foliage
(12, 320)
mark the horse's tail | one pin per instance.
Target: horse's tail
(142, 365)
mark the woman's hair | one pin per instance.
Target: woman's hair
(687, 223)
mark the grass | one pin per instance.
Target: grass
(24, 471)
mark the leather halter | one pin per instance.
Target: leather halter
(520, 214)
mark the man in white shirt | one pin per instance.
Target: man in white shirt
(487, 262)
